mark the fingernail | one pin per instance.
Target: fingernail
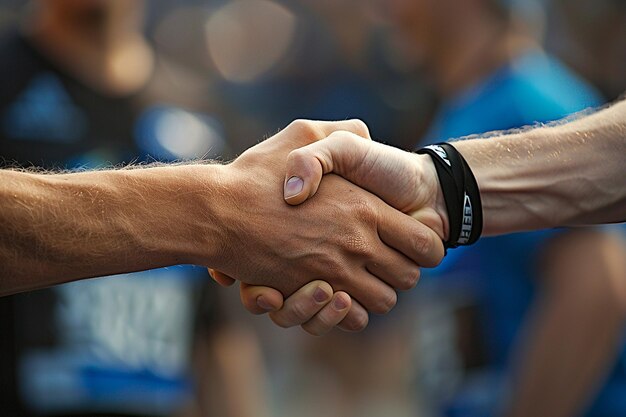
(293, 187)
(340, 303)
(320, 295)
(260, 301)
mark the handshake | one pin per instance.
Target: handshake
(338, 246)
(352, 239)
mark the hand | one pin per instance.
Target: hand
(314, 307)
(346, 236)
(404, 180)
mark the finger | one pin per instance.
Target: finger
(356, 320)
(394, 268)
(221, 278)
(340, 152)
(354, 126)
(258, 299)
(372, 293)
(330, 315)
(302, 305)
(322, 129)
(415, 240)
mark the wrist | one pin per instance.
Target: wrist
(207, 210)
(430, 204)
(439, 202)
(180, 218)
(460, 192)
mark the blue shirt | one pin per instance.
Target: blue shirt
(534, 88)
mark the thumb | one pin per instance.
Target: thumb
(338, 153)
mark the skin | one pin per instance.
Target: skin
(97, 42)
(90, 224)
(449, 80)
(578, 304)
(440, 37)
(520, 180)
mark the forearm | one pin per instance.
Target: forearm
(560, 175)
(59, 228)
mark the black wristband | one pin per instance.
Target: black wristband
(460, 193)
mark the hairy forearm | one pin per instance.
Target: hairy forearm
(568, 174)
(59, 228)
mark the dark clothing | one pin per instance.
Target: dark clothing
(114, 346)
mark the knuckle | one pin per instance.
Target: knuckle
(342, 137)
(305, 128)
(327, 319)
(334, 266)
(300, 312)
(363, 211)
(298, 124)
(410, 280)
(303, 161)
(360, 128)
(385, 303)
(297, 155)
(439, 253)
(421, 243)
(346, 140)
(357, 244)
(361, 323)
(356, 323)
(354, 235)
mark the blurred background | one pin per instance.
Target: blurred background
(528, 325)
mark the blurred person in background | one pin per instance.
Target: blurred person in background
(320, 60)
(490, 74)
(327, 64)
(364, 84)
(591, 38)
(81, 87)
(549, 310)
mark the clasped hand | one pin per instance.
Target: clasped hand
(349, 242)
